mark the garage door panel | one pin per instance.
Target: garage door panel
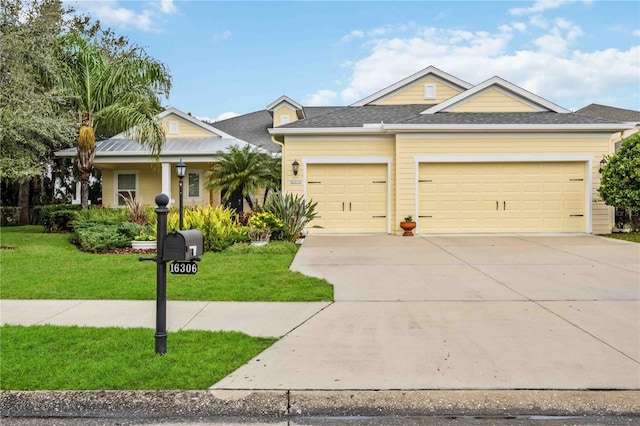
(349, 196)
(532, 197)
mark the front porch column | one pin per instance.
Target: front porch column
(166, 180)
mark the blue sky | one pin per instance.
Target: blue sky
(234, 57)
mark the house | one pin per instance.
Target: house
(127, 167)
(459, 158)
(622, 115)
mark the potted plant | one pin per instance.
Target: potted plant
(145, 240)
(259, 236)
(408, 225)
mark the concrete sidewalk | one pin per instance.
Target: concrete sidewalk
(261, 319)
(462, 312)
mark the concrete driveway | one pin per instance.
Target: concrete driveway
(462, 312)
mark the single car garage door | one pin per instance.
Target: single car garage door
(352, 198)
(501, 197)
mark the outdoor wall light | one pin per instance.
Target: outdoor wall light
(603, 163)
(181, 170)
(295, 166)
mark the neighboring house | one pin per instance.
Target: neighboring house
(127, 167)
(627, 116)
(459, 158)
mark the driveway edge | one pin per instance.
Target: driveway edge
(274, 403)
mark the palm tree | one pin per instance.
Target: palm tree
(244, 169)
(111, 91)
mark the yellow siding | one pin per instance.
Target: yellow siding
(185, 128)
(150, 184)
(297, 148)
(414, 93)
(492, 100)
(407, 146)
(284, 110)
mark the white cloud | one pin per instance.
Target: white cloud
(321, 98)
(352, 35)
(636, 33)
(221, 36)
(167, 7)
(223, 116)
(553, 67)
(538, 7)
(113, 13)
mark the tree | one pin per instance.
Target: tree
(32, 124)
(620, 181)
(110, 88)
(245, 169)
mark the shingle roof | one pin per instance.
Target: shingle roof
(610, 113)
(461, 118)
(253, 127)
(411, 114)
(357, 116)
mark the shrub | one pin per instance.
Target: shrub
(106, 215)
(9, 216)
(294, 212)
(137, 212)
(265, 223)
(218, 225)
(97, 237)
(59, 217)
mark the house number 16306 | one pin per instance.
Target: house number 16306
(183, 268)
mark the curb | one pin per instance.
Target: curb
(209, 403)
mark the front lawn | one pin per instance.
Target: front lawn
(86, 358)
(35, 265)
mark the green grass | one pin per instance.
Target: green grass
(48, 266)
(85, 358)
(632, 236)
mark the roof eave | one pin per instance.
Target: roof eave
(600, 127)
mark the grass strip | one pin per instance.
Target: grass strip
(87, 358)
(634, 237)
(35, 265)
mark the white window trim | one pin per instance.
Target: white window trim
(116, 173)
(199, 173)
(173, 128)
(584, 158)
(284, 119)
(429, 88)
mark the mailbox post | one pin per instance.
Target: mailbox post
(181, 247)
(161, 275)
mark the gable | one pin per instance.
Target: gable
(177, 127)
(493, 99)
(413, 80)
(284, 114)
(417, 93)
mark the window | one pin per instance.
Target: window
(429, 91)
(126, 182)
(173, 127)
(284, 119)
(193, 185)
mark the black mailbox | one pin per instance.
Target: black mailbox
(183, 246)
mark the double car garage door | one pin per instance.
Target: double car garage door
(454, 197)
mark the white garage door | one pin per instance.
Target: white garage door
(352, 198)
(501, 197)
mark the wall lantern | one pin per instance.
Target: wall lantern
(603, 163)
(295, 166)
